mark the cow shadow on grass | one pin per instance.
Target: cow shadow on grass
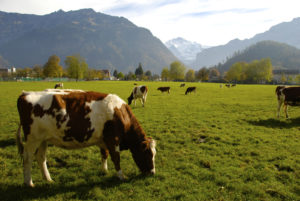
(7, 143)
(48, 191)
(276, 123)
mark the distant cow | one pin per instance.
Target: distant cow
(233, 85)
(287, 96)
(61, 85)
(74, 119)
(164, 89)
(227, 85)
(190, 89)
(138, 92)
(182, 85)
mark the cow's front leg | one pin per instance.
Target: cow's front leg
(114, 151)
(104, 154)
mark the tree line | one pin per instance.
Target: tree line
(177, 72)
(257, 71)
(76, 68)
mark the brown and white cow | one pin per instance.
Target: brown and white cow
(164, 89)
(190, 89)
(74, 119)
(138, 92)
(61, 85)
(287, 96)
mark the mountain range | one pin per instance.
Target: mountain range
(186, 51)
(286, 32)
(106, 42)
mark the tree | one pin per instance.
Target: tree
(213, 72)
(93, 74)
(203, 74)
(130, 76)
(165, 74)
(283, 78)
(297, 79)
(76, 66)
(177, 70)
(37, 71)
(139, 71)
(115, 74)
(120, 76)
(190, 75)
(52, 67)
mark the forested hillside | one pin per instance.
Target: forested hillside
(282, 56)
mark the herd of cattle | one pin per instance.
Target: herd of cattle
(74, 119)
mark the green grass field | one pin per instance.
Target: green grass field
(215, 144)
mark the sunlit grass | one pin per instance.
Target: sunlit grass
(215, 144)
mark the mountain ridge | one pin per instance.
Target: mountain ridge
(106, 42)
(285, 32)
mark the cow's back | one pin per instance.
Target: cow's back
(67, 118)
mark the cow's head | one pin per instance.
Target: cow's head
(144, 156)
(130, 98)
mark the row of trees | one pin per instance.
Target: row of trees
(177, 72)
(77, 68)
(258, 71)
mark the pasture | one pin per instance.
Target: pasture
(215, 144)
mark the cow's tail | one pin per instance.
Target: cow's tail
(19, 141)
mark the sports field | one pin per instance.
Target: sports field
(215, 144)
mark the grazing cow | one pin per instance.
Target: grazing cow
(182, 85)
(74, 119)
(287, 96)
(61, 85)
(233, 85)
(164, 89)
(138, 92)
(227, 85)
(190, 89)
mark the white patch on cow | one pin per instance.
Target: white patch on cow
(104, 165)
(152, 147)
(44, 98)
(101, 112)
(117, 148)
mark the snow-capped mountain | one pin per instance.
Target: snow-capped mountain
(184, 50)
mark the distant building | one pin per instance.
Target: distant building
(106, 73)
(8, 70)
(289, 74)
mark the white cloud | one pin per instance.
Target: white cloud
(209, 22)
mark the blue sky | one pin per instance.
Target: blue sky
(208, 22)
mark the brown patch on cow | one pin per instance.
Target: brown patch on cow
(79, 127)
(292, 95)
(125, 131)
(143, 89)
(163, 89)
(190, 89)
(24, 109)
(135, 90)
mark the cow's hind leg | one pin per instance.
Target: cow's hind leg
(41, 159)
(104, 154)
(286, 110)
(29, 150)
(279, 107)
